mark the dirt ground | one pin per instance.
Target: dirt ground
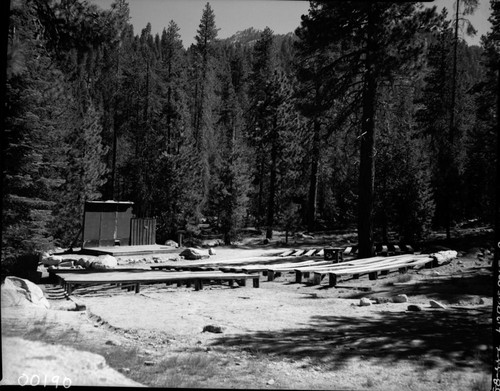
(285, 335)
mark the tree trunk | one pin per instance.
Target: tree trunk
(272, 188)
(367, 161)
(313, 181)
(451, 135)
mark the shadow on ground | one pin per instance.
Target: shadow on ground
(429, 338)
(457, 289)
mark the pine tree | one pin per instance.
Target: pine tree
(35, 101)
(204, 98)
(376, 39)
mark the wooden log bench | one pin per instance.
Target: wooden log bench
(291, 267)
(70, 281)
(357, 266)
(372, 270)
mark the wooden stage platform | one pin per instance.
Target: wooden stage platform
(118, 251)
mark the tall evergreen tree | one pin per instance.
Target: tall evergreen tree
(376, 39)
(204, 98)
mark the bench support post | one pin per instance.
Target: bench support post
(332, 279)
(317, 278)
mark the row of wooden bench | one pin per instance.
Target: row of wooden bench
(134, 279)
(240, 270)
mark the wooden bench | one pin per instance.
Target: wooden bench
(373, 269)
(70, 281)
(372, 262)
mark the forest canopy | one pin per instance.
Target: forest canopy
(370, 116)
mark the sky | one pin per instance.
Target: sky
(231, 16)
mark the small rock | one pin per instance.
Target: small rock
(482, 348)
(414, 307)
(149, 363)
(416, 343)
(400, 299)
(365, 302)
(437, 304)
(126, 370)
(113, 342)
(211, 251)
(270, 382)
(213, 329)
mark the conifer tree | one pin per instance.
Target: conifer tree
(376, 39)
(204, 98)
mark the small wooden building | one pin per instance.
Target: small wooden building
(112, 223)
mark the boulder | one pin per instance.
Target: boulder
(211, 251)
(400, 299)
(35, 362)
(365, 302)
(213, 329)
(171, 243)
(20, 292)
(437, 304)
(104, 262)
(52, 260)
(194, 254)
(443, 257)
(414, 308)
(85, 262)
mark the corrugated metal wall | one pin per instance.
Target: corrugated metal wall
(142, 231)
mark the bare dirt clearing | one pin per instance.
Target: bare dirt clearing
(288, 335)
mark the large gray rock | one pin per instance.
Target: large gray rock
(104, 262)
(51, 260)
(364, 302)
(171, 243)
(28, 362)
(20, 292)
(400, 299)
(194, 253)
(443, 257)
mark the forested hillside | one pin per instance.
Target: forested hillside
(376, 117)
